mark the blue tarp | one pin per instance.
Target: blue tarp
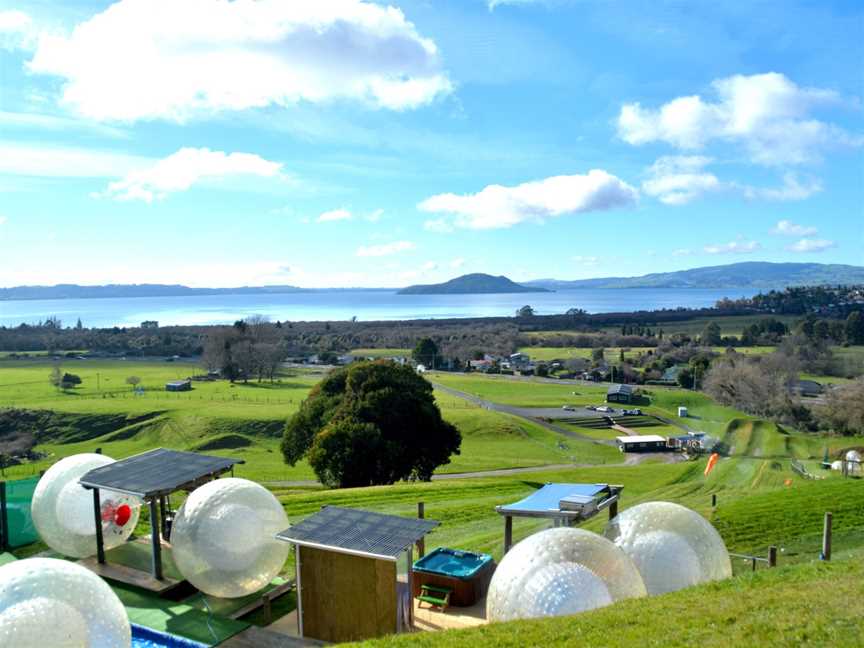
(547, 499)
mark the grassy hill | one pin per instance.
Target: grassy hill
(472, 284)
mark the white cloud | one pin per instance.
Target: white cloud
(16, 30)
(429, 265)
(680, 179)
(176, 60)
(586, 260)
(26, 159)
(3, 220)
(682, 252)
(440, 225)
(375, 216)
(43, 122)
(384, 249)
(733, 247)
(810, 245)
(185, 168)
(457, 263)
(766, 113)
(497, 206)
(334, 215)
(792, 189)
(788, 228)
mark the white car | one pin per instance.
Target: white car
(569, 408)
(603, 408)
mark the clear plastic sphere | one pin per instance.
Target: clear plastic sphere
(57, 603)
(672, 546)
(223, 537)
(508, 596)
(62, 509)
(854, 456)
(564, 588)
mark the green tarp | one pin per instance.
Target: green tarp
(18, 521)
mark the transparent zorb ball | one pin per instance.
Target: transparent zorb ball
(513, 594)
(223, 537)
(47, 602)
(672, 546)
(63, 513)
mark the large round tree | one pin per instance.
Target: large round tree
(370, 423)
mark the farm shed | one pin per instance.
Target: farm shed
(178, 385)
(642, 443)
(348, 586)
(621, 394)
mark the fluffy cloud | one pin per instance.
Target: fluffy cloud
(174, 60)
(429, 266)
(385, 249)
(375, 216)
(48, 160)
(682, 252)
(733, 247)
(766, 113)
(810, 245)
(185, 168)
(792, 189)
(497, 206)
(680, 179)
(586, 260)
(788, 228)
(16, 30)
(334, 215)
(457, 263)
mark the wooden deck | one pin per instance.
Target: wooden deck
(130, 576)
(426, 619)
(256, 637)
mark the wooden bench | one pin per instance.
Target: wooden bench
(435, 596)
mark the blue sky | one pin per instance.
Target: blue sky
(345, 143)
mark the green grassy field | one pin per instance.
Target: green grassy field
(383, 352)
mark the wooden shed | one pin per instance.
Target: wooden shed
(348, 586)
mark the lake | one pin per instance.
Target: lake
(366, 305)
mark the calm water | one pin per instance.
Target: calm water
(365, 305)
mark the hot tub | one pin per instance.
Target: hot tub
(465, 572)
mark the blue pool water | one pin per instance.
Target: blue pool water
(452, 562)
(146, 638)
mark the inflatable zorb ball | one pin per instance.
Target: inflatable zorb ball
(223, 537)
(48, 602)
(62, 509)
(560, 571)
(672, 546)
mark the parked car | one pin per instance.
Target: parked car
(603, 408)
(591, 407)
(569, 408)
(633, 412)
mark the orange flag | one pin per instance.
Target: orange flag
(712, 461)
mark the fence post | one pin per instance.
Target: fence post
(826, 537)
(714, 500)
(421, 543)
(772, 556)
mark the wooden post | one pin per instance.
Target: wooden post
(267, 609)
(772, 556)
(714, 500)
(4, 523)
(421, 543)
(613, 510)
(826, 537)
(156, 559)
(97, 518)
(508, 533)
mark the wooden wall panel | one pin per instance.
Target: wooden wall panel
(346, 598)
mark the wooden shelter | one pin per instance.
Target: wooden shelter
(151, 476)
(346, 566)
(564, 504)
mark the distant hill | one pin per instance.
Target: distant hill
(472, 284)
(750, 274)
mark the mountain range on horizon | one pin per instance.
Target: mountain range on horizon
(760, 275)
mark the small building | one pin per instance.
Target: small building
(621, 394)
(519, 360)
(642, 443)
(349, 585)
(178, 385)
(345, 359)
(682, 412)
(670, 375)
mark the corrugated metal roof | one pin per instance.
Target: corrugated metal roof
(358, 532)
(643, 438)
(620, 389)
(546, 501)
(156, 472)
